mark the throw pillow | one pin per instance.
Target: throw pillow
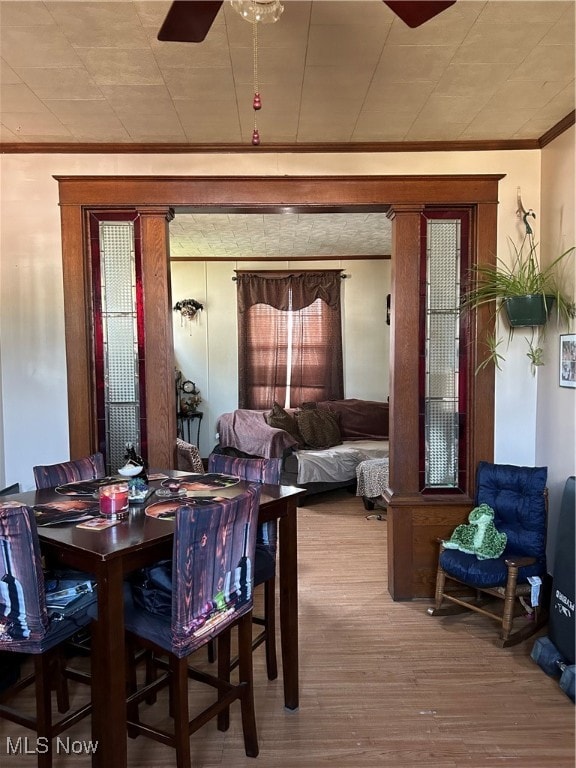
(318, 427)
(281, 419)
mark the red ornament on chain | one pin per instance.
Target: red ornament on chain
(255, 137)
(257, 103)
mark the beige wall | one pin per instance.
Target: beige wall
(556, 412)
(33, 376)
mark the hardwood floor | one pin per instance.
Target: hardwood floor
(382, 683)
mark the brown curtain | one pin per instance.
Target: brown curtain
(266, 301)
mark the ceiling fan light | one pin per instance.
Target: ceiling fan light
(261, 11)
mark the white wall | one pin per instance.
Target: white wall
(556, 413)
(33, 376)
(206, 349)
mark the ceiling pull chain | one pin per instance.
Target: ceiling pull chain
(257, 102)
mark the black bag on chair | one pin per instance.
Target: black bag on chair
(152, 588)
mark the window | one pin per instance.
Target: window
(289, 338)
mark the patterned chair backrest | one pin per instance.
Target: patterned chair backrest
(518, 497)
(23, 614)
(51, 475)
(213, 567)
(254, 470)
(188, 457)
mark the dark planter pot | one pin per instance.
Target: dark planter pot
(528, 310)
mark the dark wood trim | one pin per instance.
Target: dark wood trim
(237, 259)
(153, 197)
(485, 145)
(313, 191)
(489, 145)
(158, 343)
(561, 126)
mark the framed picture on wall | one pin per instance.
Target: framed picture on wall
(568, 360)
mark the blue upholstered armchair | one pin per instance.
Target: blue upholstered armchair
(519, 499)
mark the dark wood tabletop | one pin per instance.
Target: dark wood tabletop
(112, 553)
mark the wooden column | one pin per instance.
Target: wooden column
(77, 325)
(404, 348)
(159, 343)
(415, 519)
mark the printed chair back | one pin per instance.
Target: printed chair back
(23, 614)
(27, 627)
(87, 468)
(254, 470)
(212, 573)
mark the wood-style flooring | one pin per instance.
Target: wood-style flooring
(383, 685)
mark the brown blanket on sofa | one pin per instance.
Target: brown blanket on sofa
(247, 431)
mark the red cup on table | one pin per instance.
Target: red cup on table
(114, 501)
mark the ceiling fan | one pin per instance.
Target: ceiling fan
(190, 22)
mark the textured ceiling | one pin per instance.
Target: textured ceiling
(330, 72)
(282, 236)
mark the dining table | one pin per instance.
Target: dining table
(112, 553)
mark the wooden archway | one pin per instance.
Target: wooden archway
(413, 520)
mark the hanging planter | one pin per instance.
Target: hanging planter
(533, 309)
(524, 291)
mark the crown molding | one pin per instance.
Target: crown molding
(556, 130)
(369, 148)
(491, 145)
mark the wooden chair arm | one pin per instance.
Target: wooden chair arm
(519, 561)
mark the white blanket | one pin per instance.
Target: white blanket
(339, 463)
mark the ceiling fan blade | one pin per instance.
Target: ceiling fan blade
(189, 22)
(414, 13)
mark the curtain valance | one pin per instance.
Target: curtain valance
(275, 288)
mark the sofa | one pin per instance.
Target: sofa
(321, 444)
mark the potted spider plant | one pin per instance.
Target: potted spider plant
(524, 291)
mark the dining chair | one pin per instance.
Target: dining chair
(87, 468)
(517, 496)
(188, 457)
(26, 627)
(213, 553)
(259, 470)
(14, 488)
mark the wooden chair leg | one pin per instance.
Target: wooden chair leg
(440, 584)
(61, 684)
(132, 712)
(509, 601)
(224, 653)
(43, 664)
(270, 628)
(179, 688)
(246, 679)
